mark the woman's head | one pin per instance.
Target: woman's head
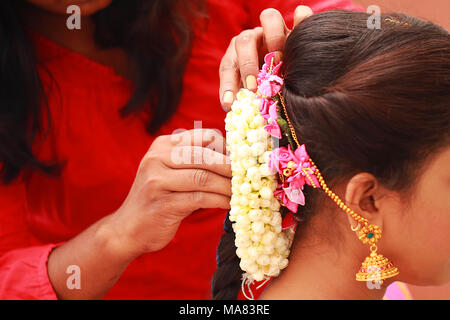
(377, 102)
(372, 108)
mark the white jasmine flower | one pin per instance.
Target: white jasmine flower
(261, 244)
(245, 188)
(254, 203)
(255, 214)
(265, 203)
(266, 193)
(258, 227)
(255, 237)
(263, 260)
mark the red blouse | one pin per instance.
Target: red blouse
(102, 151)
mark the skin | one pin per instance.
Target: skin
(158, 199)
(162, 195)
(240, 64)
(49, 20)
(327, 254)
(87, 7)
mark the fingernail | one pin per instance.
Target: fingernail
(250, 81)
(228, 98)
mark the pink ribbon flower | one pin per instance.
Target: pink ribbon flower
(305, 171)
(298, 170)
(270, 86)
(264, 108)
(269, 83)
(295, 195)
(273, 128)
(279, 158)
(267, 64)
(281, 195)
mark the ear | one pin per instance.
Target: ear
(360, 194)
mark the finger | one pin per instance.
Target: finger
(247, 44)
(262, 50)
(275, 29)
(301, 13)
(185, 180)
(229, 77)
(187, 202)
(208, 138)
(194, 157)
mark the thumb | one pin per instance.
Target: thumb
(301, 13)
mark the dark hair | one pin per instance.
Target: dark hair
(361, 100)
(156, 35)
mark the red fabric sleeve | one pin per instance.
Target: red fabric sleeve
(287, 7)
(23, 261)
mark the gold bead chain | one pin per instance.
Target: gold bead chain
(336, 198)
(291, 127)
(322, 183)
(403, 24)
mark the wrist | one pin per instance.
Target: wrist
(114, 239)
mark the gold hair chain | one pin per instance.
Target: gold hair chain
(317, 172)
(403, 24)
(375, 267)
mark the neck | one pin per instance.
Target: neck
(319, 270)
(53, 27)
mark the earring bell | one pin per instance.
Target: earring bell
(376, 267)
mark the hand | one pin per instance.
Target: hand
(179, 174)
(240, 64)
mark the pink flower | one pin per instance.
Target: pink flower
(267, 63)
(273, 128)
(305, 172)
(301, 172)
(301, 154)
(297, 180)
(295, 194)
(269, 83)
(264, 108)
(279, 159)
(282, 196)
(271, 110)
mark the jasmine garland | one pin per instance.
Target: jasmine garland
(262, 244)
